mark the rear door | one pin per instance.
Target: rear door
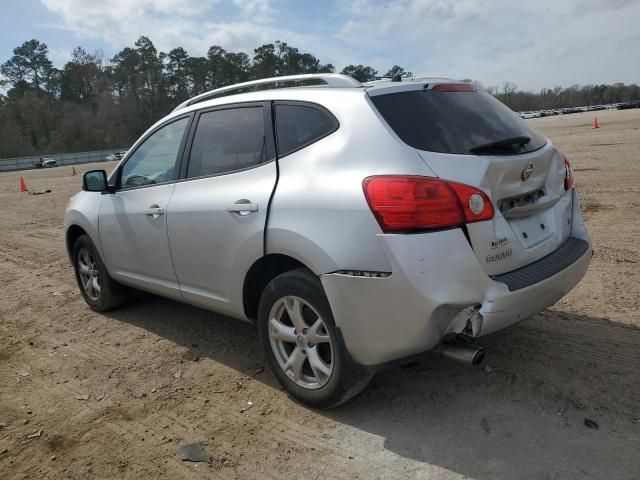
(468, 136)
(217, 214)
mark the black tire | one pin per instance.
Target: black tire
(111, 294)
(347, 378)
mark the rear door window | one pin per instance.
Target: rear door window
(299, 125)
(462, 122)
(228, 140)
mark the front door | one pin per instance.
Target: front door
(216, 217)
(133, 220)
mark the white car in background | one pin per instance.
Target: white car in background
(45, 162)
(116, 156)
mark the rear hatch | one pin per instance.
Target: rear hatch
(468, 136)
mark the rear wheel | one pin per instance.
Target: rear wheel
(98, 289)
(302, 343)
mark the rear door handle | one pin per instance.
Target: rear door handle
(154, 211)
(243, 207)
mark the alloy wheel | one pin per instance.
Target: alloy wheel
(301, 342)
(89, 274)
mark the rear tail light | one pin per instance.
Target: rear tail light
(407, 203)
(568, 173)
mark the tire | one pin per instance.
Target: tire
(332, 377)
(109, 294)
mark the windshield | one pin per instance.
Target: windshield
(456, 122)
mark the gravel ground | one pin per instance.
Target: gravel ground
(115, 395)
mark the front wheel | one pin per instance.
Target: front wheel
(98, 289)
(302, 343)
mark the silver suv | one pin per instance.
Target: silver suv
(355, 224)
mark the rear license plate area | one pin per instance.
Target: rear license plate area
(532, 230)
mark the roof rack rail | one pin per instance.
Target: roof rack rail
(332, 80)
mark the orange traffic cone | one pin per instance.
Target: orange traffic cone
(595, 122)
(23, 185)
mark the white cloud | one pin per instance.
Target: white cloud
(535, 44)
(59, 56)
(188, 25)
(256, 9)
(185, 7)
(169, 23)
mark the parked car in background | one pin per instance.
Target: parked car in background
(45, 162)
(355, 224)
(628, 105)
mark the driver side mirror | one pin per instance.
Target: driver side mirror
(95, 181)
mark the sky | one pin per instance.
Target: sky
(534, 44)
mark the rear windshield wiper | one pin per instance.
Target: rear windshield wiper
(514, 144)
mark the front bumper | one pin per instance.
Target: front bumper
(436, 282)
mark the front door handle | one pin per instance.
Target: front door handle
(154, 211)
(243, 207)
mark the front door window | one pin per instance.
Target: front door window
(154, 160)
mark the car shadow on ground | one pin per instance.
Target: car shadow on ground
(519, 415)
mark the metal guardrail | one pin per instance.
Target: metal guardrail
(26, 163)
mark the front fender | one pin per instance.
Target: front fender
(83, 211)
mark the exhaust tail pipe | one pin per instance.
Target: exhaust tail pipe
(462, 348)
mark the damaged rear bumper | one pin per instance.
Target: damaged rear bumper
(434, 289)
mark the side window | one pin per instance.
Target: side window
(227, 140)
(154, 160)
(297, 126)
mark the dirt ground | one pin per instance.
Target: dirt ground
(159, 374)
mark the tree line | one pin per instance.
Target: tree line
(558, 97)
(95, 103)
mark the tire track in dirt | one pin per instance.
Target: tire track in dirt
(92, 419)
(263, 429)
(578, 339)
(283, 429)
(133, 431)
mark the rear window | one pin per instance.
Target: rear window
(300, 125)
(227, 140)
(457, 122)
